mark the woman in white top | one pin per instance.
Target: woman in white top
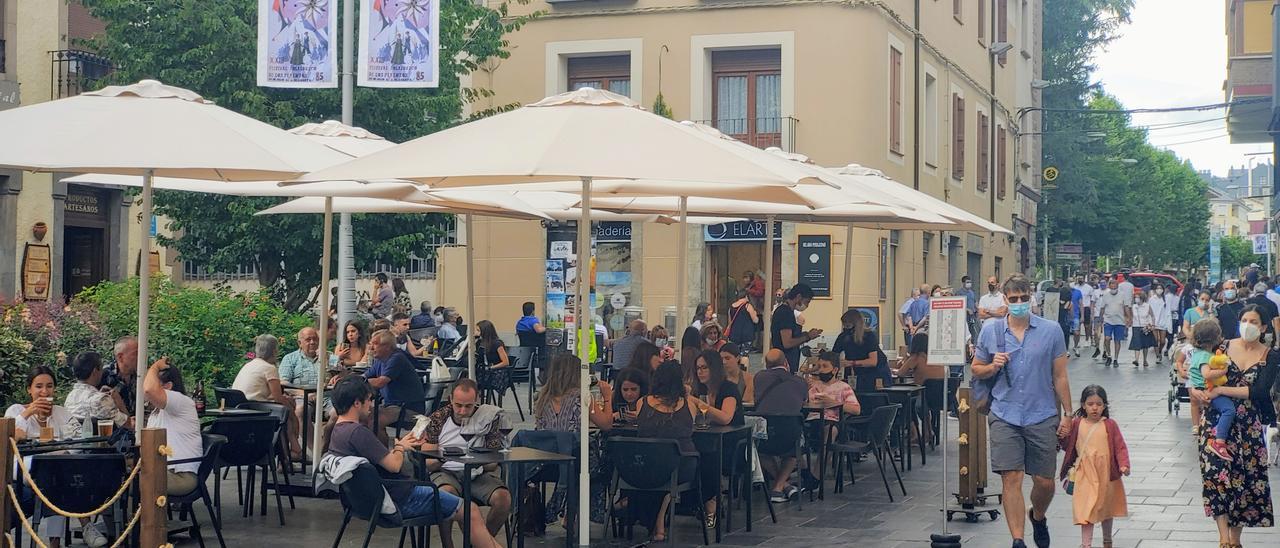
(43, 419)
(1143, 325)
(175, 412)
(1162, 320)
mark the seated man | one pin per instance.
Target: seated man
(119, 375)
(422, 319)
(778, 392)
(353, 402)
(448, 332)
(400, 328)
(392, 373)
(301, 368)
(86, 403)
(259, 380)
(175, 412)
(443, 430)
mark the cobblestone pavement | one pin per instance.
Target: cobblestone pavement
(1165, 504)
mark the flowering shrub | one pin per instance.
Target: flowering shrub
(45, 333)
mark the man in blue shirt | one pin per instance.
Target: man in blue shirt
(970, 304)
(1023, 359)
(392, 373)
(919, 312)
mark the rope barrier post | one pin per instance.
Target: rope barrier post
(7, 427)
(152, 486)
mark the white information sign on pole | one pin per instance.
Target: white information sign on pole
(947, 331)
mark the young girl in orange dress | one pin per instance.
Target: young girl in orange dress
(1096, 458)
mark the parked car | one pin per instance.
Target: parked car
(1143, 281)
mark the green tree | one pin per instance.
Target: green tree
(1237, 253)
(210, 47)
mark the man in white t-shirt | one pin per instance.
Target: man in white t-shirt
(1126, 289)
(992, 304)
(175, 412)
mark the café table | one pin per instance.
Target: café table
(515, 460)
(709, 441)
(32, 447)
(910, 396)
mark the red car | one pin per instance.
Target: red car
(1143, 281)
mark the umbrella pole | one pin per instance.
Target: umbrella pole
(768, 284)
(682, 268)
(848, 264)
(144, 298)
(582, 315)
(323, 364)
(471, 298)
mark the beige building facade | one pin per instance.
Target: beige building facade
(87, 234)
(841, 82)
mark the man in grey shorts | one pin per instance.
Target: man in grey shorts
(1025, 361)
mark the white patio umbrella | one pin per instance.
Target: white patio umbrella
(315, 204)
(148, 129)
(585, 135)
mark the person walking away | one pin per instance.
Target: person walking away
(1099, 288)
(970, 304)
(744, 322)
(1064, 310)
(1172, 300)
(904, 315)
(1081, 301)
(1237, 492)
(1023, 360)
(1116, 318)
(753, 286)
(1096, 458)
(1142, 338)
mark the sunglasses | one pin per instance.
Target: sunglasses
(1019, 298)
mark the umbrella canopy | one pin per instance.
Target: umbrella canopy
(149, 126)
(315, 204)
(849, 212)
(586, 133)
(963, 219)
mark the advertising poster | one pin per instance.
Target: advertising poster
(295, 43)
(399, 44)
(814, 263)
(947, 331)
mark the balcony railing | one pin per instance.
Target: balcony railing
(759, 132)
(75, 71)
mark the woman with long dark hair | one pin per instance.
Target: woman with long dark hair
(630, 386)
(1237, 492)
(690, 346)
(702, 315)
(355, 342)
(667, 413)
(402, 301)
(496, 373)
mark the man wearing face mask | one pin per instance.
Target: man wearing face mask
(1030, 407)
(1116, 319)
(904, 315)
(1259, 297)
(1082, 298)
(992, 305)
(1229, 311)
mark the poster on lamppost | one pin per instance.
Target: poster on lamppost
(399, 44)
(295, 43)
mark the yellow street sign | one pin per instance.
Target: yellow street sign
(1050, 173)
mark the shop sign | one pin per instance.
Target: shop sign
(88, 204)
(740, 231)
(613, 232)
(814, 263)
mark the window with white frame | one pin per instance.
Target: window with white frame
(608, 72)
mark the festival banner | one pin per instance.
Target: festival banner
(295, 43)
(399, 44)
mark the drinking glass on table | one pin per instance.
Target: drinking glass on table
(505, 426)
(467, 435)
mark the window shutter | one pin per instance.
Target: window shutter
(1002, 26)
(895, 100)
(982, 19)
(957, 137)
(984, 152)
(1002, 156)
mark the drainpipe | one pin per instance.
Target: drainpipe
(915, 102)
(991, 146)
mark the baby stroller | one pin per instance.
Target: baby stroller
(1178, 393)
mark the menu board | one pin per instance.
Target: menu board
(35, 272)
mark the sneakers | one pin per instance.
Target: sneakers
(1077, 351)
(808, 481)
(1096, 352)
(790, 491)
(1219, 448)
(1017, 543)
(777, 496)
(93, 537)
(1039, 530)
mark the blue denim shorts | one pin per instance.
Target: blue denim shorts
(421, 501)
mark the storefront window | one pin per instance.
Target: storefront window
(613, 274)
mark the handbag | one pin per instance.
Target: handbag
(533, 510)
(1069, 484)
(439, 371)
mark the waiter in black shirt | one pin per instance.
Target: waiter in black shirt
(785, 333)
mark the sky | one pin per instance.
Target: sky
(1173, 53)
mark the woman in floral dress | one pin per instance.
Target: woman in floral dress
(1237, 492)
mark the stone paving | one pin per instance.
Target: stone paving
(1163, 495)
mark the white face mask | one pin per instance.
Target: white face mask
(1249, 332)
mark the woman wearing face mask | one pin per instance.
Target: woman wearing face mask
(1141, 338)
(1162, 320)
(1237, 492)
(711, 339)
(859, 350)
(1203, 309)
(785, 333)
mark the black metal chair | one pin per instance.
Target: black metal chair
(229, 396)
(78, 483)
(281, 414)
(653, 465)
(185, 504)
(362, 495)
(780, 427)
(251, 443)
(878, 431)
(934, 399)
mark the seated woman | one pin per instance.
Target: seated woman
(355, 341)
(690, 347)
(735, 370)
(631, 385)
(667, 413)
(558, 404)
(175, 412)
(660, 338)
(722, 400)
(496, 373)
(42, 419)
